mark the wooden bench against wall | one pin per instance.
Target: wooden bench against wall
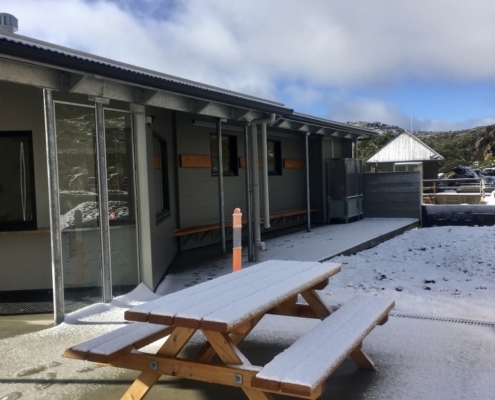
(186, 233)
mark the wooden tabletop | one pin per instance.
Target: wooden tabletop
(228, 301)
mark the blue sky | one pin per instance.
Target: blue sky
(374, 60)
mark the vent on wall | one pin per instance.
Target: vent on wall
(8, 23)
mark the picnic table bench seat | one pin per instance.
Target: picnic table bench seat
(112, 345)
(302, 369)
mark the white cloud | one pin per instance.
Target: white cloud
(326, 46)
(330, 43)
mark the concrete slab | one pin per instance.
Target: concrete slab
(13, 325)
(328, 241)
(414, 359)
(323, 242)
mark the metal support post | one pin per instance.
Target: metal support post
(249, 193)
(264, 169)
(54, 202)
(256, 193)
(106, 271)
(308, 200)
(221, 200)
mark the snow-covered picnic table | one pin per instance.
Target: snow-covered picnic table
(225, 310)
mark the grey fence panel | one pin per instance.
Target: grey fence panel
(392, 195)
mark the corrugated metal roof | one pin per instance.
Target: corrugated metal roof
(405, 147)
(33, 45)
(331, 124)
(52, 48)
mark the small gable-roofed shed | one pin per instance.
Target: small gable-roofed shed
(407, 148)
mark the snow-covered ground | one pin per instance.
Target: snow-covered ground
(445, 271)
(441, 272)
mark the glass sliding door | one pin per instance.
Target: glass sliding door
(77, 159)
(79, 209)
(121, 201)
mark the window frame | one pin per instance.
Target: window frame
(32, 224)
(232, 156)
(277, 151)
(165, 195)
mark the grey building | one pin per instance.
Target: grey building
(108, 170)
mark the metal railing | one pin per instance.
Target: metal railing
(432, 188)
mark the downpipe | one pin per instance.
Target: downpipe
(258, 245)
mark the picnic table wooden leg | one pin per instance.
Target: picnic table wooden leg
(145, 381)
(223, 346)
(257, 394)
(316, 304)
(207, 352)
(361, 359)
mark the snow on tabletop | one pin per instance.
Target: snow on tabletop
(309, 361)
(270, 294)
(206, 288)
(195, 303)
(212, 296)
(250, 297)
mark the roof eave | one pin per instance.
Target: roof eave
(331, 124)
(65, 62)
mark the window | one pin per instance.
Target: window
(160, 176)
(274, 150)
(17, 193)
(229, 155)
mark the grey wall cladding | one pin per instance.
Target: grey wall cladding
(392, 195)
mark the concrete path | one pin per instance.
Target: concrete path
(13, 325)
(329, 241)
(194, 266)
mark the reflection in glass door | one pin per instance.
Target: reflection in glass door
(121, 201)
(79, 203)
(79, 213)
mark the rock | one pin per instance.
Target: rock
(399, 288)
